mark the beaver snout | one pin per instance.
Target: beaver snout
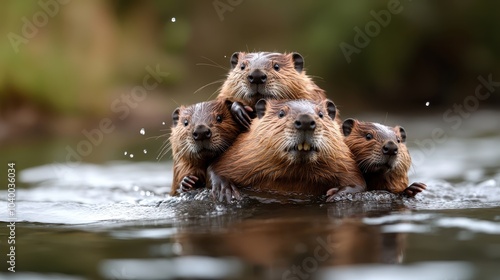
(390, 148)
(257, 77)
(202, 132)
(305, 122)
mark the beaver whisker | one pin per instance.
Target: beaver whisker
(164, 149)
(215, 64)
(209, 84)
(365, 165)
(241, 92)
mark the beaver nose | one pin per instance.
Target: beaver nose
(390, 148)
(257, 77)
(202, 132)
(305, 122)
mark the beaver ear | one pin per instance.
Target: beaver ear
(234, 59)
(260, 108)
(331, 108)
(228, 104)
(298, 61)
(175, 116)
(347, 126)
(403, 134)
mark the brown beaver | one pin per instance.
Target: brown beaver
(382, 156)
(200, 133)
(267, 75)
(293, 146)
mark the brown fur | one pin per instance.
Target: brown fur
(289, 82)
(261, 159)
(381, 172)
(191, 158)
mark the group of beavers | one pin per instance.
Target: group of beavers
(272, 129)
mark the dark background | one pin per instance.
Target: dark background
(87, 54)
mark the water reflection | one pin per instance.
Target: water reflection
(282, 244)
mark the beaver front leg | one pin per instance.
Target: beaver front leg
(242, 114)
(223, 188)
(414, 189)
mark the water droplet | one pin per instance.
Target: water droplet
(148, 193)
(163, 123)
(173, 19)
(125, 153)
(427, 103)
(142, 193)
(131, 155)
(142, 131)
(136, 188)
(145, 151)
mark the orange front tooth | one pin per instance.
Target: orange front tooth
(307, 147)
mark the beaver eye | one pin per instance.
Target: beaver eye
(276, 67)
(281, 114)
(186, 122)
(242, 66)
(369, 136)
(320, 114)
(399, 140)
(219, 118)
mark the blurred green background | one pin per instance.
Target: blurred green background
(64, 65)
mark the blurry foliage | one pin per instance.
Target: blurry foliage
(90, 50)
(84, 53)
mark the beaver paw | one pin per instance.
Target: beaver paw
(239, 112)
(190, 182)
(334, 194)
(331, 194)
(223, 189)
(414, 189)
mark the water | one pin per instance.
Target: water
(114, 221)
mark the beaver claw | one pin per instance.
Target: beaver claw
(330, 194)
(239, 112)
(222, 189)
(191, 182)
(225, 191)
(414, 189)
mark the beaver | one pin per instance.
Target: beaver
(267, 75)
(200, 133)
(382, 156)
(293, 146)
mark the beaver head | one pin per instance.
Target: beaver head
(203, 130)
(266, 75)
(300, 129)
(376, 147)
